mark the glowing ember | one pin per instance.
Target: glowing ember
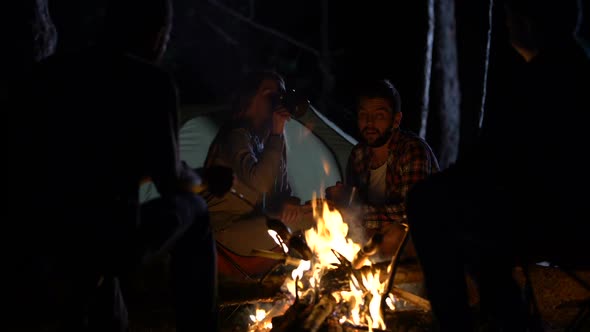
(296, 275)
(260, 322)
(390, 301)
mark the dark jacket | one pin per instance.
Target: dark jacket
(101, 122)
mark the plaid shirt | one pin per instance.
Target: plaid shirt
(410, 161)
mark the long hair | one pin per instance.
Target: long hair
(248, 87)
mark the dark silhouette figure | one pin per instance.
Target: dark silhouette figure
(519, 196)
(29, 39)
(105, 119)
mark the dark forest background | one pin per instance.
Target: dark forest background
(436, 52)
(214, 41)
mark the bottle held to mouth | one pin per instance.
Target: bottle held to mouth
(295, 103)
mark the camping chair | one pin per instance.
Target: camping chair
(250, 268)
(235, 265)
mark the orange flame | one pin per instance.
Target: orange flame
(330, 233)
(259, 321)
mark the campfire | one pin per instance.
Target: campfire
(331, 289)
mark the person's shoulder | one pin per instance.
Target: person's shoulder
(57, 71)
(235, 130)
(62, 62)
(415, 147)
(409, 139)
(408, 136)
(138, 63)
(147, 71)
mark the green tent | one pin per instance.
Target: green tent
(317, 150)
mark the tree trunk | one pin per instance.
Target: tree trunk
(584, 29)
(30, 37)
(427, 68)
(445, 83)
(474, 28)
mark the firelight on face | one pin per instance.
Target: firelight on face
(375, 120)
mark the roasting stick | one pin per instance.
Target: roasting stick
(412, 298)
(288, 260)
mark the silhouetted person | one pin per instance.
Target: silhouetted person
(520, 196)
(106, 120)
(28, 36)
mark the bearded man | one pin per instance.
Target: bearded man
(383, 166)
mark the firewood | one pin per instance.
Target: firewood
(333, 325)
(291, 319)
(231, 303)
(335, 280)
(320, 312)
(412, 298)
(354, 328)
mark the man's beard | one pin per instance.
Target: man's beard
(381, 140)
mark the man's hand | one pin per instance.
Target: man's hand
(290, 213)
(293, 211)
(279, 119)
(340, 194)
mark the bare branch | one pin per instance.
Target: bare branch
(487, 64)
(229, 39)
(263, 28)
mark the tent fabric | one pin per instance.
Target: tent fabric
(317, 150)
(335, 138)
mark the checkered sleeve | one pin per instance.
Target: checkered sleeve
(416, 163)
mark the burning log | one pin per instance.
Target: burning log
(335, 280)
(232, 303)
(291, 319)
(412, 298)
(353, 327)
(334, 325)
(338, 285)
(320, 313)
